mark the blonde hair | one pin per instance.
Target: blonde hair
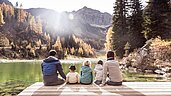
(87, 63)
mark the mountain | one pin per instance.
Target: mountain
(6, 2)
(86, 23)
(92, 16)
(85, 14)
(25, 36)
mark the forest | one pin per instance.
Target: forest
(25, 35)
(133, 25)
(141, 36)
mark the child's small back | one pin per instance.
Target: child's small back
(99, 72)
(86, 75)
(73, 77)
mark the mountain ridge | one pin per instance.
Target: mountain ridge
(89, 30)
(6, 2)
(82, 13)
(31, 33)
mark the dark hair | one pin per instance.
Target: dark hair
(100, 62)
(52, 53)
(110, 54)
(72, 67)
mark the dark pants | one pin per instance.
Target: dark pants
(52, 80)
(114, 83)
(98, 82)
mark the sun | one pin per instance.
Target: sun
(71, 16)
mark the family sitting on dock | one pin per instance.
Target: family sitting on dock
(105, 73)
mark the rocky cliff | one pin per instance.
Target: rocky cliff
(86, 23)
(92, 16)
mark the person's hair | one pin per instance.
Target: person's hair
(72, 67)
(100, 62)
(110, 54)
(52, 53)
(87, 63)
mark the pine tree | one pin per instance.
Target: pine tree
(135, 20)
(39, 25)
(72, 50)
(49, 42)
(127, 48)
(57, 44)
(155, 19)
(1, 18)
(80, 51)
(58, 48)
(32, 24)
(39, 43)
(119, 27)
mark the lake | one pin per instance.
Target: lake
(28, 71)
(31, 72)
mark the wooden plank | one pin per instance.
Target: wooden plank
(127, 89)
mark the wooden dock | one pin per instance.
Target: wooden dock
(127, 89)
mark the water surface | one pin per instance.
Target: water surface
(28, 71)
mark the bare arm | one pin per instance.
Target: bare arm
(78, 78)
(67, 78)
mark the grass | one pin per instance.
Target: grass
(140, 77)
(12, 88)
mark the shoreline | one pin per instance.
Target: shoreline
(71, 60)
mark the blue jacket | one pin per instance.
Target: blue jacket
(51, 66)
(86, 75)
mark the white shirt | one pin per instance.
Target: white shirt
(112, 67)
(98, 72)
(73, 77)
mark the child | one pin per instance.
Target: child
(98, 70)
(72, 77)
(86, 73)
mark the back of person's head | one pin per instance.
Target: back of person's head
(72, 67)
(52, 53)
(110, 54)
(100, 62)
(87, 63)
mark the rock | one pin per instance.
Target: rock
(92, 16)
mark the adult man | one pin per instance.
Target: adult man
(111, 68)
(51, 66)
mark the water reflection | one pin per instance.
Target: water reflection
(27, 71)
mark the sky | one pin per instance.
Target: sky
(68, 5)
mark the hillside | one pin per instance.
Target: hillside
(6, 2)
(31, 35)
(86, 23)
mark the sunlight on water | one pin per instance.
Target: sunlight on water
(29, 71)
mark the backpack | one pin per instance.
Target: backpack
(49, 68)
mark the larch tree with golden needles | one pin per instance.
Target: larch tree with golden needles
(108, 44)
(1, 18)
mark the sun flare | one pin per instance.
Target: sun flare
(71, 16)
